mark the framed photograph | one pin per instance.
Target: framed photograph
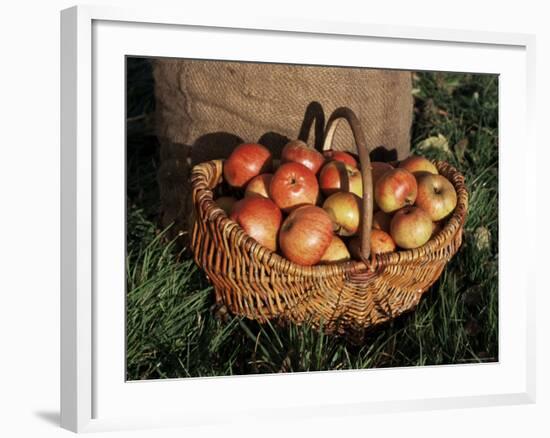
(266, 218)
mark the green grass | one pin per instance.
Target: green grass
(173, 330)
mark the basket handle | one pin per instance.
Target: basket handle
(364, 159)
(314, 116)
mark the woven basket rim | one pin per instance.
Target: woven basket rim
(454, 224)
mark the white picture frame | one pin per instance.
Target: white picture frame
(94, 394)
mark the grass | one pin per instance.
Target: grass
(174, 331)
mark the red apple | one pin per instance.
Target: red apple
(381, 221)
(416, 163)
(260, 218)
(344, 209)
(411, 227)
(436, 195)
(259, 185)
(305, 235)
(245, 162)
(226, 203)
(336, 176)
(395, 189)
(381, 242)
(378, 168)
(296, 151)
(336, 252)
(292, 185)
(344, 157)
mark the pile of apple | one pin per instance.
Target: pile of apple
(307, 205)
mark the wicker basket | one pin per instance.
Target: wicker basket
(344, 298)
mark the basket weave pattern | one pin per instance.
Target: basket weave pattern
(347, 297)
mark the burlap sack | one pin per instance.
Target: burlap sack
(205, 108)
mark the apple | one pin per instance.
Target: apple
(336, 176)
(296, 151)
(378, 168)
(395, 189)
(344, 209)
(381, 221)
(260, 218)
(245, 162)
(259, 185)
(416, 163)
(226, 203)
(420, 173)
(381, 242)
(305, 235)
(344, 157)
(436, 196)
(292, 185)
(411, 227)
(336, 252)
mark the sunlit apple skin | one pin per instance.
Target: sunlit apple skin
(226, 203)
(378, 168)
(381, 221)
(336, 176)
(336, 252)
(305, 235)
(395, 189)
(436, 196)
(293, 185)
(245, 162)
(344, 157)
(344, 209)
(411, 227)
(416, 163)
(381, 242)
(260, 218)
(296, 151)
(259, 185)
